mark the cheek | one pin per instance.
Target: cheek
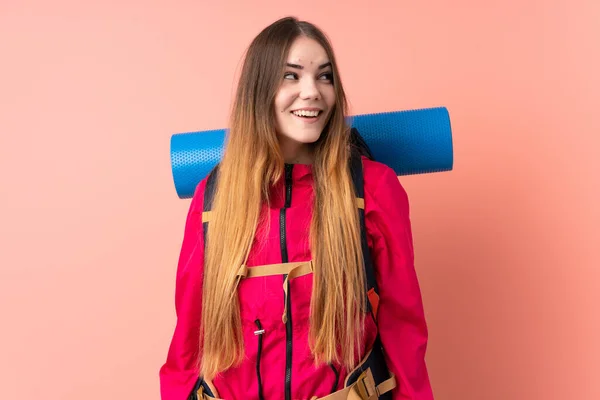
(280, 106)
(283, 100)
(330, 96)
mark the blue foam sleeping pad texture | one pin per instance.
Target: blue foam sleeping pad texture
(408, 141)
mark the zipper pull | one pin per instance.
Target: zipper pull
(260, 330)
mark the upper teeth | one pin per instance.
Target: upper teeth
(305, 113)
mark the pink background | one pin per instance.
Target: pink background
(90, 224)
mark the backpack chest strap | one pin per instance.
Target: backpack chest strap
(291, 270)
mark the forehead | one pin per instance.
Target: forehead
(306, 52)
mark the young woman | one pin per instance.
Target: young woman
(296, 276)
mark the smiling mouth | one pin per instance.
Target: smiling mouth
(312, 114)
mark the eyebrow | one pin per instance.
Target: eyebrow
(327, 64)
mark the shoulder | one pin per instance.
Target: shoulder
(197, 204)
(379, 177)
(383, 190)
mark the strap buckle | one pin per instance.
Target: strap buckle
(200, 393)
(365, 386)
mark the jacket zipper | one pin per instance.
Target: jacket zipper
(284, 259)
(259, 332)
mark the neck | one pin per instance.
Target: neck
(296, 153)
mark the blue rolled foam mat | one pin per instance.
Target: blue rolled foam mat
(408, 141)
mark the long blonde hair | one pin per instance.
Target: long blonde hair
(243, 185)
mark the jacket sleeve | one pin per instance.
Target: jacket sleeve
(401, 319)
(180, 372)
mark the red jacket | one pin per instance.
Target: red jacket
(400, 321)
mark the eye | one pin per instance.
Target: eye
(327, 76)
(290, 75)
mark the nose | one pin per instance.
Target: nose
(309, 89)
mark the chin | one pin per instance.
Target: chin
(307, 139)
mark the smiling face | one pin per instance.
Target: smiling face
(304, 100)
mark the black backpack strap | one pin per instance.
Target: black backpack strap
(209, 194)
(211, 185)
(376, 359)
(358, 144)
(356, 169)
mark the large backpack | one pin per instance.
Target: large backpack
(372, 378)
